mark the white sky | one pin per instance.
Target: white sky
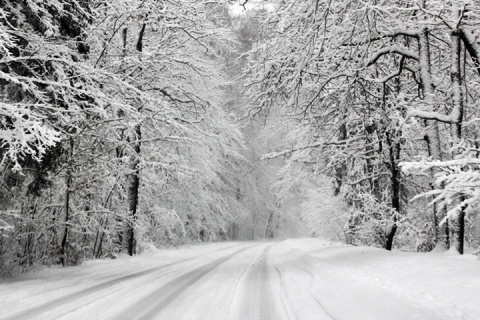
(237, 10)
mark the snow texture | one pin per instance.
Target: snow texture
(293, 279)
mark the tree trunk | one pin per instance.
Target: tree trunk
(442, 232)
(340, 167)
(253, 225)
(68, 179)
(268, 231)
(432, 135)
(133, 188)
(134, 178)
(459, 231)
(470, 42)
(394, 153)
(457, 119)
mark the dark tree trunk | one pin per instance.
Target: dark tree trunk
(253, 226)
(432, 136)
(340, 167)
(469, 41)
(268, 231)
(133, 186)
(134, 178)
(394, 153)
(457, 102)
(442, 236)
(68, 180)
(370, 151)
(460, 232)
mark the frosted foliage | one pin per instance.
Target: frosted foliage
(365, 86)
(160, 227)
(455, 177)
(370, 224)
(6, 39)
(87, 107)
(26, 133)
(325, 214)
(128, 124)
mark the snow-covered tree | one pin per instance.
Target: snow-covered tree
(113, 128)
(368, 78)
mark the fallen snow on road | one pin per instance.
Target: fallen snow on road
(293, 279)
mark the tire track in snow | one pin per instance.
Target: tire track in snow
(237, 284)
(47, 308)
(172, 290)
(253, 291)
(319, 303)
(315, 298)
(283, 294)
(296, 286)
(260, 278)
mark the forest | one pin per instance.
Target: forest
(127, 124)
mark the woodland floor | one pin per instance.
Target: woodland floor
(292, 279)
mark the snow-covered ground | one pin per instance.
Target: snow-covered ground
(293, 279)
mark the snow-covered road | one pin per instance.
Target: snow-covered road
(293, 279)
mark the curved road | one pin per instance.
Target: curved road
(289, 280)
(225, 281)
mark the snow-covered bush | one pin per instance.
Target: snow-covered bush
(324, 214)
